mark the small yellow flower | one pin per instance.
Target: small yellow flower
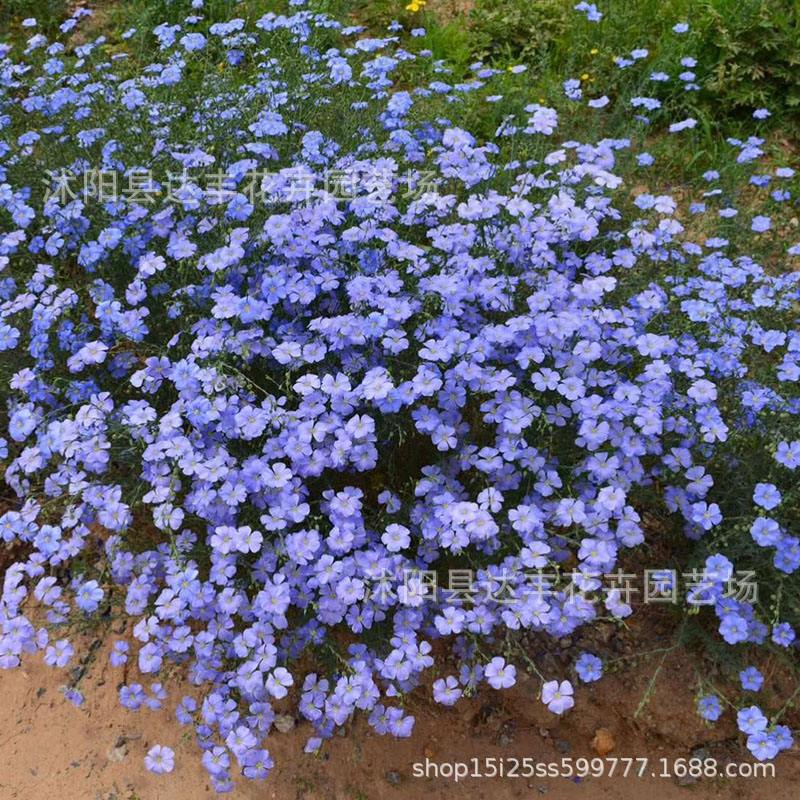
(594, 51)
(585, 76)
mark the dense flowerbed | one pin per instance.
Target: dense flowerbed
(332, 397)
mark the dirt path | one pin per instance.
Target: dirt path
(50, 750)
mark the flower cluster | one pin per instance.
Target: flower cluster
(258, 426)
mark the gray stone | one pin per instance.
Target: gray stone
(284, 723)
(393, 777)
(117, 753)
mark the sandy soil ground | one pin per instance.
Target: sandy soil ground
(50, 749)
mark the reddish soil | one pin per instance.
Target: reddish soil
(50, 749)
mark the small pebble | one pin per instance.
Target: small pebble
(284, 723)
(393, 777)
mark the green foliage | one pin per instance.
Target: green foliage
(516, 30)
(450, 42)
(375, 14)
(48, 14)
(748, 51)
(756, 49)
